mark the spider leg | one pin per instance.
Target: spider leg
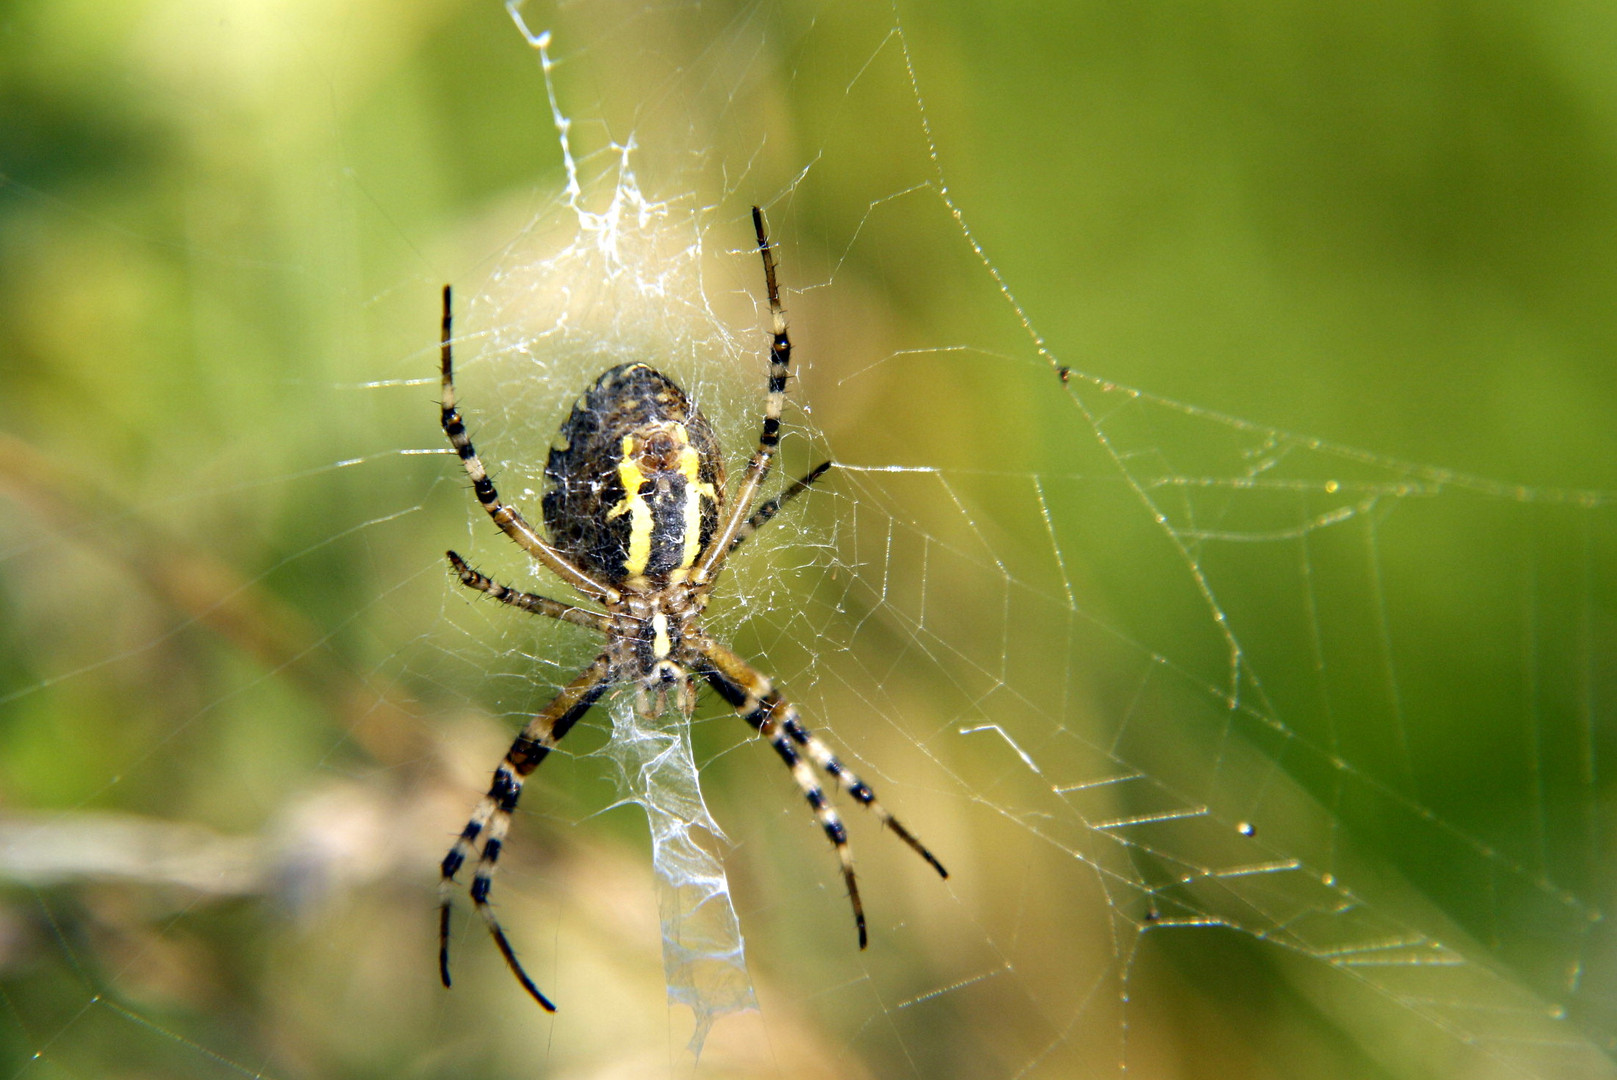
(529, 602)
(768, 510)
(510, 521)
(780, 363)
(492, 817)
(750, 693)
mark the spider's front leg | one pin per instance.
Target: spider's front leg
(751, 694)
(492, 817)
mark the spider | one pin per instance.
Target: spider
(637, 522)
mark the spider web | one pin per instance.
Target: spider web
(1247, 742)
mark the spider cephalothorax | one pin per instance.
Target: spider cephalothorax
(637, 523)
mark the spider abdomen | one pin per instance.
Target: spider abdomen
(635, 479)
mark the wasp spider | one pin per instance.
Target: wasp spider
(637, 523)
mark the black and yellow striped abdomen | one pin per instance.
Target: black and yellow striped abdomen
(635, 479)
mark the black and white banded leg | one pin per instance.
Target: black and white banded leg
(507, 517)
(750, 693)
(780, 365)
(768, 510)
(492, 816)
(532, 603)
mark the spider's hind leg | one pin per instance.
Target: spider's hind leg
(507, 517)
(736, 519)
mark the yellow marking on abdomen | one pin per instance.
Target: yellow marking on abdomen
(690, 464)
(639, 510)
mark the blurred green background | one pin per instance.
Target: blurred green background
(1263, 711)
